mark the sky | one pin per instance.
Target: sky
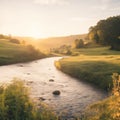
(48, 18)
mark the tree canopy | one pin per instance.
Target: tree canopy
(107, 32)
(78, 43)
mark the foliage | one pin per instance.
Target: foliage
(107, 32)
(116, 84)
(15, 104)
(78, 43)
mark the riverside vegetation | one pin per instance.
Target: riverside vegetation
(108, 109)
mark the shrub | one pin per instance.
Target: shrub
(14, 41)
(116, 84)
(78, 43)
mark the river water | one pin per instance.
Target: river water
(75, 94)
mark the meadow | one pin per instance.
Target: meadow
(94, 65)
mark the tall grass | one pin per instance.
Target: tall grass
(108, 109)
(15, 104)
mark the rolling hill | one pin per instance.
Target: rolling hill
(54, 42)
(14, 53)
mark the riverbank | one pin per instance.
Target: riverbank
(92, 66)
(11, 53)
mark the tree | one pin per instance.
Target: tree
(23, 42)
(106, 32)
(78, 43)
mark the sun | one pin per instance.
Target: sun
(36, 34)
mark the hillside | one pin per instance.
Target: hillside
(14, 53)
(25, 38)
(51, 42)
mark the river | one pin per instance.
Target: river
(75, 94)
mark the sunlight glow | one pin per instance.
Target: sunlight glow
(36, 34)
(46, 18)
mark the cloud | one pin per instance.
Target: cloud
(115, 9)
(107, 5)
(51, 2)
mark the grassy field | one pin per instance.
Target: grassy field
(97, 51)
(14, 53)
(94, 65)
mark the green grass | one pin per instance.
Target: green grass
(14, 53)
(95, 51)
(92, 66)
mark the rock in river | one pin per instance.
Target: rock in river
(56, 92)
(51, 80)
(41, 98)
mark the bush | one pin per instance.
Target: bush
(14, 41)
(78, 43)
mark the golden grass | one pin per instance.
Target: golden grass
(108, 109)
